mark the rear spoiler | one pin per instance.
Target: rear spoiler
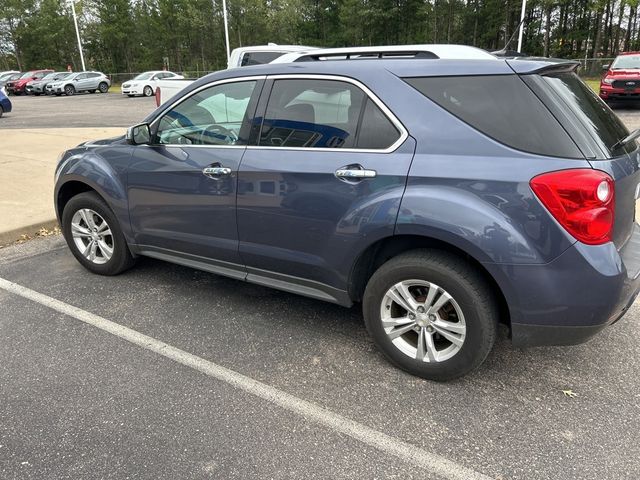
(537, 65)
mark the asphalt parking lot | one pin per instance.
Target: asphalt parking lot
(81, 402)
(166, 372)
(81, 110)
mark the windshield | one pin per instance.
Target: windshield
(6, 76)
(49, 76)
(144, 76)
(60, 76)
(604, 127)
(27, 75)
(625, 62)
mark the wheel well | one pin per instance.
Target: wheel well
(383, 250)
(68, 191)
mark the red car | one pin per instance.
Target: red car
(16, 87)
(622, 78)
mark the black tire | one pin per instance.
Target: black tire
(148, 91)
(1, 111)
(69, 90)
(463, 282)
(130, 95)
(121, 258)
(103, 87)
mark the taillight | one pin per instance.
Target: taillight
(582, 200)
(157, 96)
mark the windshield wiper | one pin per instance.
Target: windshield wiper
(629, 138)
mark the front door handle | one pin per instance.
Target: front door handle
(216, 171)
(354, 172)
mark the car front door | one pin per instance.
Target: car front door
(324, 179)
(182, 187)
(79, 81)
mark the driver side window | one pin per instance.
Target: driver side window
(213, 116)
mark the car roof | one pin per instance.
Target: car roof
(401, 67)
(275, 48)
(442, 51)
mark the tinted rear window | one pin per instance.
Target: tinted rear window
(604, 126)
(259, 58)
(503, 108)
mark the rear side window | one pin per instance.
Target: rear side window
(503, 108)
(376, 130)
(259, 58)
(324, 114)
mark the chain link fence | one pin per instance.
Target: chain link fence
(594, 67)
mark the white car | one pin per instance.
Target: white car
(147, 82)
(240, 57)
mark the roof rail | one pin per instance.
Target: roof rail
(437, 51)
(359, 54)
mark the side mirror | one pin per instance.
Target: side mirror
(139, 134)
(605, 67)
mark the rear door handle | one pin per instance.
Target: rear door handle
(355, 173)
(216, 171)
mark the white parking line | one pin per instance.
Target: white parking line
(418, 457)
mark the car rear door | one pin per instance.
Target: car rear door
(324, 178)
(182, 188)
(92, 81)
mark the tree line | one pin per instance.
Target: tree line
(188, 35)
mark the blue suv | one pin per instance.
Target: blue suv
(445, 194)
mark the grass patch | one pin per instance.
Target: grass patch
(594, 83)
(115, 88)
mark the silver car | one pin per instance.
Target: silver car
(38, 87)
(80, 82)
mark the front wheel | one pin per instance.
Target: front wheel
(148, 91)
(69, 90)
(431, 314)
(94, 236)
(103, 87)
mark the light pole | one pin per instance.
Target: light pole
(524, 8)
(75, 22)
(226, 25)
(226, 28)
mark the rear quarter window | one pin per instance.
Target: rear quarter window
(503, 108)
(601, 124)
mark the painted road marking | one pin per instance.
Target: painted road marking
(411, 454)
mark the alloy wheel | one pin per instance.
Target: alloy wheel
(423, 321)
(92, 236)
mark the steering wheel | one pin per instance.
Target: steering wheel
(217, 134)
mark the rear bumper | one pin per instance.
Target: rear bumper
(571, 299)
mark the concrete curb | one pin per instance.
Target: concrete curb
(11, 236)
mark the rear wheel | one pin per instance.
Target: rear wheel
(103, 87)
(431, 314)
(94, 235)
(148, 91)
(69, 90)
